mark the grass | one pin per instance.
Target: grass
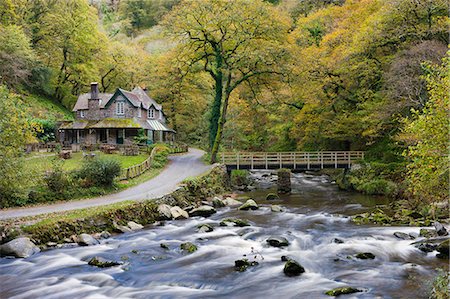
(42, 162)
(44, 108)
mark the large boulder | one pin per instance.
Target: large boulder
(293, 268)
(86, 240)
(102, 263)
(121, 228)
(277, 241)
(20, 247)
(249, 205)
(204, 211)
(164, 212)
(178, 213)
(229, 201)
(134, 226)
(342, 291)
(427, 233)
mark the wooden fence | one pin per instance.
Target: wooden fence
(293, 160)
(138, 169)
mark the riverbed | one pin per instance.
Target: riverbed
(314, 215)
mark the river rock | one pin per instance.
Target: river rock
(342, 291)
(277, 241)
(164, 246)
(86, 240)
(218, 202)
(427, 233)
(121, 228)
(102, 263)
(293, 268)
(440, 229)
(205, 228)
(20, 247)
(242, 265)
(188, 247)
(178, 213)
(276, 208)
(234, 222)
(426, 247)
(403, 236)
(105, 234)
(204, 211)
(164, 212)
(443, 249)
(249, 205)
(365, 256)
(272, 196)
(134, 226)
(229, 201)
(337, 241)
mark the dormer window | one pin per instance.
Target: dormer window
(151, 113)
(81, 113)
(120, 108)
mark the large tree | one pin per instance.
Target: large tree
(234, 42)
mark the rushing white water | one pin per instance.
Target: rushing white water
(315, 213)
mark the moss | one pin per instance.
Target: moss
(342, 291)
(242, 265)
(188, 247)
(117, 123)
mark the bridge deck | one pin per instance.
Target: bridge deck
(292, 160)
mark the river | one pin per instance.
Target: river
(314, 214)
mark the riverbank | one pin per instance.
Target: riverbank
(61, 227)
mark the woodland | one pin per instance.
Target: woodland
(279, 75)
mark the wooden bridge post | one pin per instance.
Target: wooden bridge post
(279, 158)
(307, 159)
(335, 160)
(349, 159)
(252, 162)
(237, 160)
(267, 163)
(321, 160)
(295, 160)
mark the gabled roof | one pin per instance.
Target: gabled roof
(145, 99)
(82, 102)
(137, 97)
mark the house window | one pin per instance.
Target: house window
(151, 113)
(120, 110)
(82, 114)
(139, 112)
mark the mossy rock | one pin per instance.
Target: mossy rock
(234, 222)
(272, 196)
(188, 247)
(242, 265)
(342, 291)
(293, 268)
(205, 228)
(102, 263)
(164, 246)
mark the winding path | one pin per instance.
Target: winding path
(179, 168)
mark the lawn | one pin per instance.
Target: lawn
(39, 163)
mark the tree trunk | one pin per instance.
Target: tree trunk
(221, 123)
(217, 104)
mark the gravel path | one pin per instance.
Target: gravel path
(180, 167)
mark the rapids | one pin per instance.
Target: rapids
(314, 214)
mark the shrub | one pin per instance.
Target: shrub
(440, 286)
(100, 171)
(378, 187)
(239, 177)
(56, 179)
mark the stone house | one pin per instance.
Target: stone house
(115, 118)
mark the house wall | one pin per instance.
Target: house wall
(110, 110)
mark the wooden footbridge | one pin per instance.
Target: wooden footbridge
(291, 160)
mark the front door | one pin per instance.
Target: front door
(120, 136)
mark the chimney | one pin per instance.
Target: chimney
(94, 91)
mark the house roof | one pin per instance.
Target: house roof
(82, 102)
(115, 123)
(136, 97)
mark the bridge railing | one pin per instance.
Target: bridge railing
(294, 160)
